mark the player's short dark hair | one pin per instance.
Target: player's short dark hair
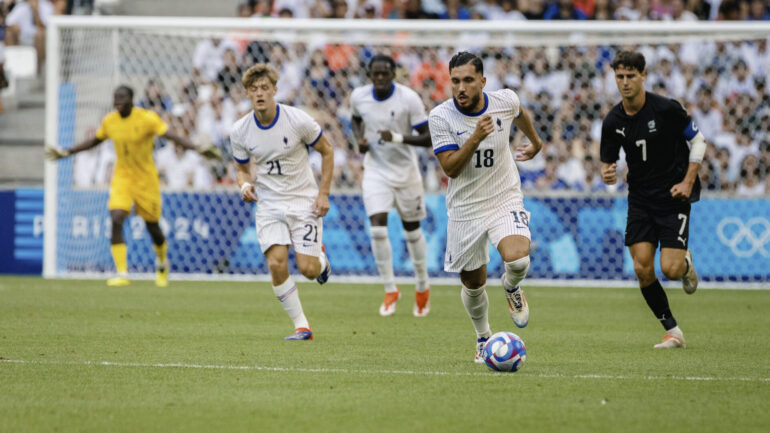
(124, 88)
(630, 60)
(383, 58)
(463, 58)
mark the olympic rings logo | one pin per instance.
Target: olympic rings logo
(745, 239)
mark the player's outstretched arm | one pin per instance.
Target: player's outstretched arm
(208, 151)
(453, 162)
(244, 178)
(321, 205)
(55, 153)
(527, 151)
(420, 140)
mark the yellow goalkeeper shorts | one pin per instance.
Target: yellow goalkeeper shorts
(145, 195)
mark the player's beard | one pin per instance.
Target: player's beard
(473, 102)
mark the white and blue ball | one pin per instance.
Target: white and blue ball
(505, 351)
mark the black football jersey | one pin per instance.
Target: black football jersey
(656, 149)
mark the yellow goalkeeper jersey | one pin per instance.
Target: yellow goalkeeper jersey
(133, 140)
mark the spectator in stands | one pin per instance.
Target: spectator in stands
(532, 9)
(679, 12)
(729, 10)
(231, 71)
(700, 8)
(488, 9)
(339, 9)
(740, 82)
(508, 11)
(750, 182)
(585, 6)
(435, 70)
(25, 25)
(413, 11)
(208, 57)
(549, 181)
(244, 9)
(456, 10)
(563, 10)
(155, 98)
(180, 168)
(758, 11)
(603, 10)
(706, 115)
(298, 8)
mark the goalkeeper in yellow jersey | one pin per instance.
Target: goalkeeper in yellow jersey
(135, 181)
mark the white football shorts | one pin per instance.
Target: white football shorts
(467, 242)
(379, 197)
(301, 229)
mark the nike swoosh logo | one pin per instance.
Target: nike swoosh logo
(306, 245)
(252, 148)
(461, 133)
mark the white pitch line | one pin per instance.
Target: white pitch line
(393, 372)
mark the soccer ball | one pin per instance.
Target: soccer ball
(505, 351)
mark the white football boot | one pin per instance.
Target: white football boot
(673, 338)
(517, 305)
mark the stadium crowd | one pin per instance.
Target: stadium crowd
(568, 89)
(723, 86)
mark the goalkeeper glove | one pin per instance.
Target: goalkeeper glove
(55, 153)
(210, 152)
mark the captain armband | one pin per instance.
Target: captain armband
(697, 148)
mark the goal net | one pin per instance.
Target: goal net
(188, 70)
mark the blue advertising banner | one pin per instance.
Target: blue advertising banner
(572, 237)
(21, 231)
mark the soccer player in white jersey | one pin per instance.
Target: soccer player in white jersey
(384, 115)
(275, 139)
(470, 135)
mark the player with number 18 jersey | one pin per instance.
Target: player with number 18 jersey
(471, 139)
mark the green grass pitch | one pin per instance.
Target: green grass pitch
(77, 356)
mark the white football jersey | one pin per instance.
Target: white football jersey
(400, 112)
(491, 179)
(280, 151)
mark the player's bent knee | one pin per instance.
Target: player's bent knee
(309, 270)
(518, 267)
(277, 265)
(643, 270)
(671, 271)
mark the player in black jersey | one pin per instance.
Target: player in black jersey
(663, 151)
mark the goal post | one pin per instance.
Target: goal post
(577, 233)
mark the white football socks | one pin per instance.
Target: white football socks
(476, 304)
(515, 271)
(286, 292)
(415, 243)
(383, 256)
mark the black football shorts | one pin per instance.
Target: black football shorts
(670, 229)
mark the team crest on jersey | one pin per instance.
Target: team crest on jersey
(285, 142)
(499, 124)
(651, 125)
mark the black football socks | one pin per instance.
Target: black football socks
(658, 303)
